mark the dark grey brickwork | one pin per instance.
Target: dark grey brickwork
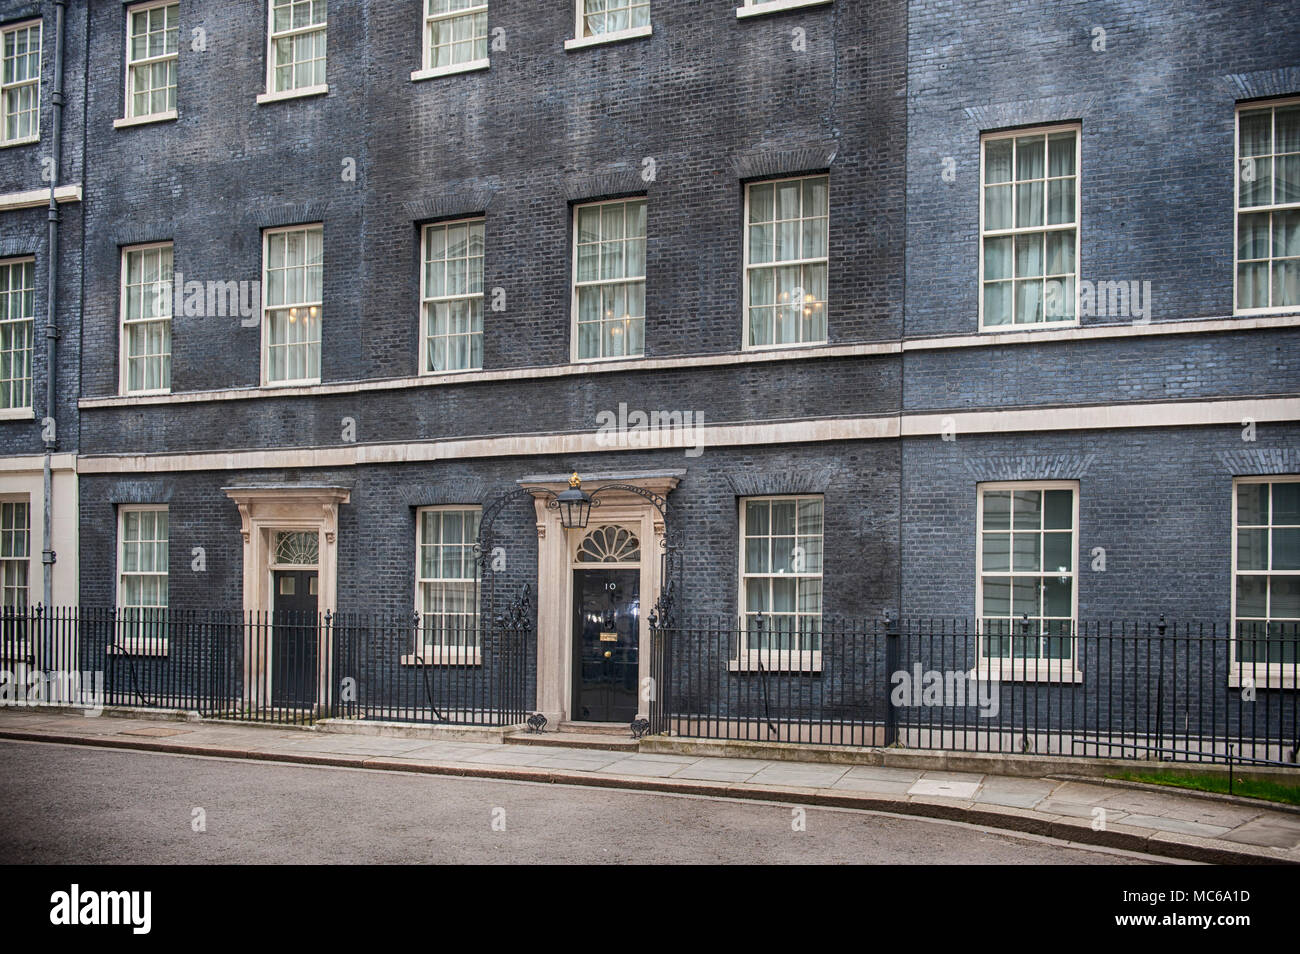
(26, 231)
(377, 529)
(1157, 110)
(1159, 501)
(1158, 368)
(541, 128)
(882, 93)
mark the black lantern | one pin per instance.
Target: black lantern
(574, 504)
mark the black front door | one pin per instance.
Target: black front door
(606, 642)
(295, 639)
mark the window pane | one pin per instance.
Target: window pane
(997, 554)
(1252, 592)
(1286, 502)
(1058, 510)
(1058, 554)
(1252, 549)
(1286, 549)
(997, 161)
(1252, 504)
(997, 510)
(1027, 509)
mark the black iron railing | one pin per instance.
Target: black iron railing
(1158, 690)
(278, 667)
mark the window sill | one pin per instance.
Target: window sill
(472, 66)
(459, 371)
(793, 346)
(444, 657)
(1052, 672)
(145, 120)
(1252, 312)
(776, 6)
(1032, 326)
(582, 42)
(138, 647)
(1280, 676)
(157, 392)
(17, 414)
(20, 142)
(777, 661)
(301, 383)
(611, 359)
(303, 93)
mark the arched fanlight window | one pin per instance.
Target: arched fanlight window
(297, 549)
(609, 545)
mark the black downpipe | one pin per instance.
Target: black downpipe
(49, 426)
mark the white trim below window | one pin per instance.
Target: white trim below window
(1009, 667)
(452, 69)
(1263, 675)
(458, 653)
(145, 120)
(582, 42)
(136, 644)
(131, 118)
(293, 94)
(756, 8)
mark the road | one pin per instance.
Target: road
(61, 804)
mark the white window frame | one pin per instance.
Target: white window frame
(581, 40)
(749, 659)
(272, 94)
(24, 411)
(1271, 208)
(127, 642)
(124, 377)
(267, 309)
(575, 285)
(129, 117)
(426, 368)
(801, 262)
(15, 645)
(442, 655)
(1046, 132)
(755, 8)
(427, 70)
(1263, 675)
(5, 87)
(1039, 668)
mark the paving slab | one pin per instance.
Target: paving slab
(884, 773)
(793, 773)
(1081, 793)
(1056, 806)
(703, 773)
(1271, 832)
(641, 769)
(945, 788)
(574, 765)
(1163, 823)
(879, 786)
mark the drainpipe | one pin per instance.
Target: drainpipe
(49, 425)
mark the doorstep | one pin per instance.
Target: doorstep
(409, 730)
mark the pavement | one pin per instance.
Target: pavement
(1167, 822)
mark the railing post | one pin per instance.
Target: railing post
(891, 667)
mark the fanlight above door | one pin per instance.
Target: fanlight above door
(297, 549)
(609, 545)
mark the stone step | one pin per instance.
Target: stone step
(575, 740)
(620, 730)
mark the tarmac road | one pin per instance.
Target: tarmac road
(72, 804)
